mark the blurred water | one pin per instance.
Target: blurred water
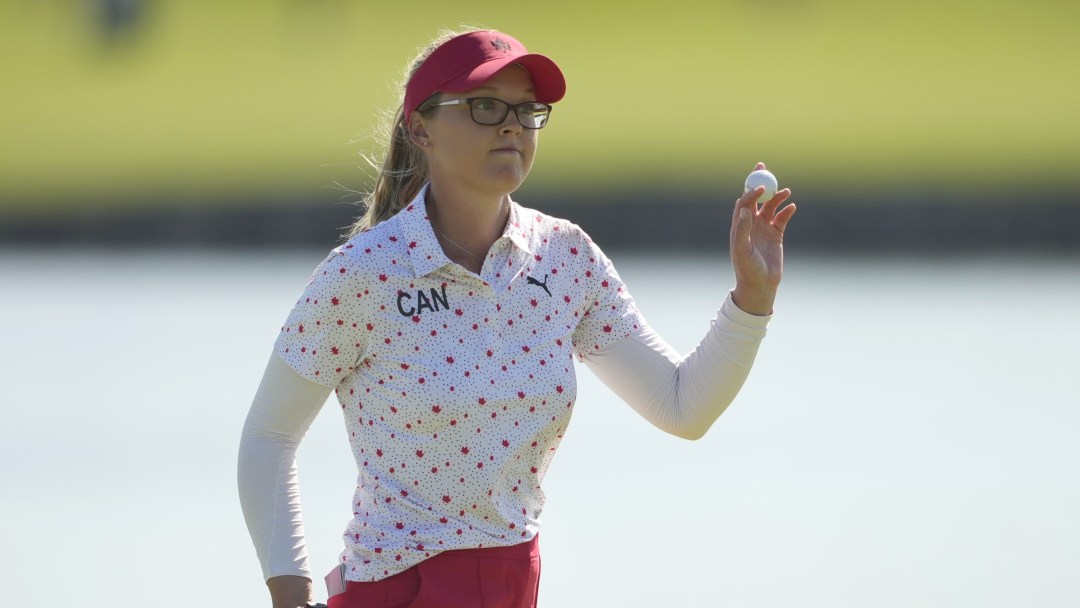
(908, 437)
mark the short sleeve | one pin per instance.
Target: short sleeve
(611, 314)
(322, 339)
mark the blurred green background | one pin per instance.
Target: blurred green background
(113, 105)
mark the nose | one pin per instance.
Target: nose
(511, 124)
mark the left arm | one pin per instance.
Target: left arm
(684, 396)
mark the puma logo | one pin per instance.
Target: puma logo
(532, 281)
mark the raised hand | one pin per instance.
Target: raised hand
(757, 248)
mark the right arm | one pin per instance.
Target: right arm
(281, 413)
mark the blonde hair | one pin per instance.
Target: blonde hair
(403, 169)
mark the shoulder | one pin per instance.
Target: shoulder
(372, 247)
(543, 230)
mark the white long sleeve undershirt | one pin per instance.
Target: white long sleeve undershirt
(680, 395)
(683, 395)
(283, 409)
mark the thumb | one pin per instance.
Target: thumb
(744, 222)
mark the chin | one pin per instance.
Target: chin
(507, 182)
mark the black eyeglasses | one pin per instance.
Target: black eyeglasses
(490, 111)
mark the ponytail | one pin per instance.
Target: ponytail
(403, 171)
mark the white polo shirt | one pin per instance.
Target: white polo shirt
(456, 389)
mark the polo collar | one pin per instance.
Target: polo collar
(517, 229)
(425, 253)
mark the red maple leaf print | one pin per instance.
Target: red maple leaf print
(525, 348)
(521, 394)
(450, 360)
(335, 301)
(334, 350)
(607, 329)
(412, 244)
(443, 520)
(341, 270)
(436, 408)
(399, 526)
(300, 329)
(446, 498)
(416, 319)
(505, 443)
(419, 453)
(464, 449)
(481, 401)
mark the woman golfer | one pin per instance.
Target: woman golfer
(447, 326)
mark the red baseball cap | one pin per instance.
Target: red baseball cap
(467, 61)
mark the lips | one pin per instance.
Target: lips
(508, 146)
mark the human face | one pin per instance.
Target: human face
(485, 159)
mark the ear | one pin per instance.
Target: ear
(418, 132)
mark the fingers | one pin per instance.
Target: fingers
(769, 207)
(749, 199)
(748, 208)
(782, 218)
(741, 228)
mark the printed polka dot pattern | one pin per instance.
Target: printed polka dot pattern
(456, 389)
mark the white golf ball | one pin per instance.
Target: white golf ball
(761, 177)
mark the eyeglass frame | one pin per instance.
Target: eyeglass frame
(509, 106)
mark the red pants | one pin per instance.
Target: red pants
(499, 577)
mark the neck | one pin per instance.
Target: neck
(471, 221)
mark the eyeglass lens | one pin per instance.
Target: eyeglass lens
(491, 111)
